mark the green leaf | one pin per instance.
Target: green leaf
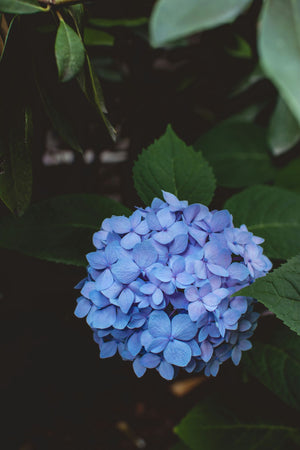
(271, 213)
(288, 176)
(77, 13)
(91, 87)
(7, 36)
(238, 153)
(21, 6)
(284, 129)
(94, 37)
(15, 157)
(279, 48)
(171, 165)
(59, 229)
(69, 52)
(122, 22)
(279, 291)
(211, 426)
(276, 364)
(170, 21)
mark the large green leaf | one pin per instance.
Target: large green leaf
(15, 157)
(172, 20)
(276, 363)
(211, 426)
(171, 165)
(279, 48)
(69, 52)
(59, 229)
(280, 292)
(21, 6)
(284, 129)
(238, 153)
(288, 177)
(271, 213)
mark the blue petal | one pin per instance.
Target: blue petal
(196, 309)
(83, 307)
(97, 260)
(166, 370)
(149, 360)
(238, 271)
(104, 318)
(125, 270)
(220, 220)
(134, 343)
(159, 324)
(183, 328)
(105, 280)
(153, 222)
(217, 270)
(138, 368)
(108, 349)
(236, 355)
(162, 273)
(144, 254)
(179, 244)
(178, 353)
(98, 299)
(121, 320)
(206, 351)
(165, 217)
(163, 237)
(245, 345)
(158, 344)
(157, 297)
(130, 240)
(120, 224)
(126, 298)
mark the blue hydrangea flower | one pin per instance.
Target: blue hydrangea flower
(161, 283)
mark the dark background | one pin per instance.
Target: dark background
(55, 391)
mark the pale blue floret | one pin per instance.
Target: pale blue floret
(160, 286)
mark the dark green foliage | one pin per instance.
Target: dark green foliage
(59, 229)
(238, 153)
(211, 426)
(276, 364)
(169, 164)
(279, 291)
(271, 213)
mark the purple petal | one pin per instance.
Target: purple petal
(178, 353)
(184, 279)
(199, 235)
(217, 270)
(192, 294)
(191, 212)
(245, 345)
(183, 328)
(220, 220)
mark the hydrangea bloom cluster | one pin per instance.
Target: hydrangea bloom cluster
(160, 284)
